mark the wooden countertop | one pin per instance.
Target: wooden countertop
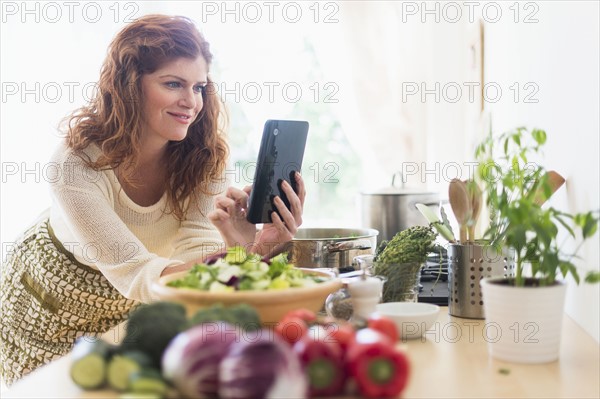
(451, 361)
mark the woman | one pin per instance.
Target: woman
(133, 190)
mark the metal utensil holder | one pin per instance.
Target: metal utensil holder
(467, 265)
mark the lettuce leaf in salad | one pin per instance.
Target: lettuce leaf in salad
(237, 270)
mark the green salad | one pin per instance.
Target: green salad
(237, 270)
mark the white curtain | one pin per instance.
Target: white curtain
(398, 105)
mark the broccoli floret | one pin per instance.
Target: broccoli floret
(151, 327)
(213, 313)
(244, 316)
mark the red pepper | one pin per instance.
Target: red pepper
(322, 360)
(385, 326)
(307, 315)
(343, 334)
(378, 369)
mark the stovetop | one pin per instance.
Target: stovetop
(434, 280)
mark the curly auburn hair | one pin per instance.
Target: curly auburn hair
(113, 118)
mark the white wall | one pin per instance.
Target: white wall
(558, 54)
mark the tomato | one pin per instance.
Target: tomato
(291, 329)
(385, 326)
(307, 315)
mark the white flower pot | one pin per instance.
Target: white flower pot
(523, 324)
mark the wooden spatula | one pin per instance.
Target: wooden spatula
(476, 198)
(461, 206)
(555, 181)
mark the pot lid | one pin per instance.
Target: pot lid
(398, 191)
(398, 188)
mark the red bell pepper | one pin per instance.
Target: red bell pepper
(385, 326)
(378, 369)
(343, 334)
(322, 361)
(307, 315)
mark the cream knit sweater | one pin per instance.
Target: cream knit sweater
(130, 244)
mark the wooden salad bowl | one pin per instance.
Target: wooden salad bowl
(271, 305)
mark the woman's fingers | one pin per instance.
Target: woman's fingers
(233, 202)
(239, 196)
(225, 205)
(295, 204)
(286, 222)
(286, 230)
(217, 216)
(229, 215)
(300, 188)
(222, 202)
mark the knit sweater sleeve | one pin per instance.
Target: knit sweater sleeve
(85, 200)
(197, 237)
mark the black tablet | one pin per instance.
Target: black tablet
(279, 157)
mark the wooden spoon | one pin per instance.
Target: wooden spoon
(554, 181)
(461, 206)
(476, 198)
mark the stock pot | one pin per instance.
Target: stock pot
(331, 247)
(392, 209)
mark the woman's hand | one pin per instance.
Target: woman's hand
(284, 228)
(229, 217)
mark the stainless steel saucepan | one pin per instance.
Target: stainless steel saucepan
(392, 209)
(331, 247)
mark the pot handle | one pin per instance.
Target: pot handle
(341, 246)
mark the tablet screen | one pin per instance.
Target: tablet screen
(279, 157)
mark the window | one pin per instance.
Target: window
(280, 78)
(263, 69)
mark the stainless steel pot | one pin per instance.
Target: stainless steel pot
(392, 209)
(331, 247)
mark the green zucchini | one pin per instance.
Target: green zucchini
(147, 381)
(89, 362)
(122, 365)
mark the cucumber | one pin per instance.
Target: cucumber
(122, 365)
(133, 395)
(89, 362)
(147, 381)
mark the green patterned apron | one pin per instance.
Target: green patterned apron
(49, 299)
